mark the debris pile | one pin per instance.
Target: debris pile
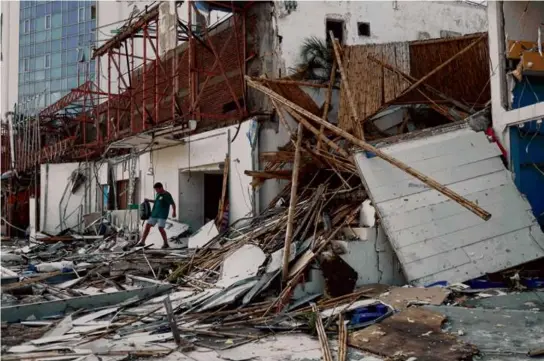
(279, 277)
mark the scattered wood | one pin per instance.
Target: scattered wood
(356, 125)
(292, 205)
(342, 338)
(471, 206)
(223, 198)
(323, 340)
(414, 332)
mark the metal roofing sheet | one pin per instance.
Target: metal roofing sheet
(435, 238)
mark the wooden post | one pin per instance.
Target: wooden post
(323, 340)
(474, 208)
(219, 217)
(292, 205)
(327, 102)
(342, 338)
(359, 131)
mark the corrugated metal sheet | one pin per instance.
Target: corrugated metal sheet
(435, 238)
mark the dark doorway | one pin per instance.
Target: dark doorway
(213, 188)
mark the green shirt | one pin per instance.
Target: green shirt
(161, 206)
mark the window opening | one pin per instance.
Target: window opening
(337, 28)
(363, 29)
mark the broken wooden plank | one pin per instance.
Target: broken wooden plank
(474, 208)
(271, 174)
(358, 127)
(323, 340)
(291, 82)
(332, 80)
(222, 201)
(292, 205)
(414, 332)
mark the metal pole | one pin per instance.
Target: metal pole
(144, 75)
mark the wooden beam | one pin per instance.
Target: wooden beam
(291, 82)
(471, 206)
(327, 102)
(314, 130)
(269, 174)
(323, 339)
(292, 205)
(359, 131)
(221, 210)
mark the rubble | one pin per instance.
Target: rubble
(292, 272)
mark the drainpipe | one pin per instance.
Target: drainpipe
(255, 162)
(10, 116)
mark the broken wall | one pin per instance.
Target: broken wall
(372, 257)
(389, 21)
(200, 152)
(58, 204)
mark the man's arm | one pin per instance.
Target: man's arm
(173, 207)
(149, 200)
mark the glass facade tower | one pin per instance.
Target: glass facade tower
(55, 42)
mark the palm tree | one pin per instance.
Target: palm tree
(316, 59)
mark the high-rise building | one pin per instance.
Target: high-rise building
(55, 42)
(47, 46)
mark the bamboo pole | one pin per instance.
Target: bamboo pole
(291, 82)
(292, 205)
(474, 208)
(327, 102)
(314, 130)
(342, 337)
(323, 341)
(219, 218)
(359, 131)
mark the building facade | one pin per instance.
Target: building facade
(47, 46)
(55, 42)
(191, 165)
(517, 92)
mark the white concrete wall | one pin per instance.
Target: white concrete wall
(199, 153)
(54, 178)
(518, 25)
(9, 65)
(389, 21)
(372, 257)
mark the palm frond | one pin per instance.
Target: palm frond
(316, 59)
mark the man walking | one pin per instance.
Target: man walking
(159, 214)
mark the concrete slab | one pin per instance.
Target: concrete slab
(497, 334)
(528, 301)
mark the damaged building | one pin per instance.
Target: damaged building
(363, 187)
